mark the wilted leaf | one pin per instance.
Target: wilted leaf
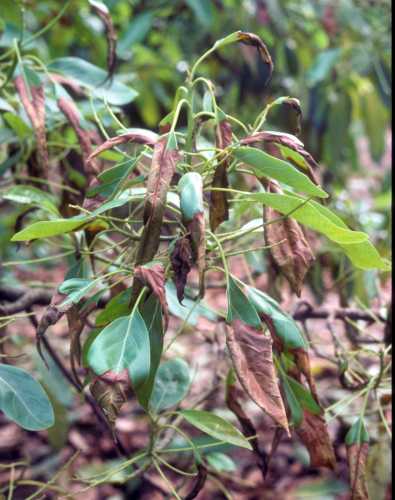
(197, 229)
(215, 426)
(255, 41)
(314, 434)
(110, 398)
(357, 442)
(290, 249)
(252, 357)
(181, 263)
(219, 205)
(153, 275)
(102, 11)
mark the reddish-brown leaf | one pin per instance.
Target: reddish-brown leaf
(197, 234)
(102, 11)
(313, 432)
(219, 205)
(154, 277)
(35, 110)
(255, 41)
(252, 356)
(357, 455)
(289, 250)
(181, 262)
(140, 137)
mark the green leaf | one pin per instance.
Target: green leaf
(151, 312)
(203, 10)
(216, 427)
(304, 397)
(266, 165)
(135, 32)
(112, 178)
(322, 65)
(30, 195)
(239, 307)
(306, 213)
(47, 228)
(286, 328)
(76, 289)
(293, 403)
(190, 310)
(116, 307)
(191, 196)
(92, 77)
(220, 462)
(124, 343)
(357, 433)
(21, 129)
(171, 384)
(23, 400)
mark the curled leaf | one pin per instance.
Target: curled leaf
(181, 262)
(255, 41)
(70, 111)
(102, 11)
(313, 432)
(110, 398)
(251, 353)
(289, 248)
(219, 205)
(139, 137)
(35, 110)
(154, 277)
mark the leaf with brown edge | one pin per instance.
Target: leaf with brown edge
(110, 397)
(289, 248)
(139, 137)
(198, 240)
(35, 110)
(251, 353)
(102, 11)
(255, 41)
(181, 263)
(313, 432)
(357, 443)
(219, 205)
(154, 277)
(68, 108)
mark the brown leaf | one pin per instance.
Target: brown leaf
(293, 256)
(252, 357)
(139, 137)
(233, 403)
(302, 362)
(110, 397)
(70, 111)
(181, 262)
(255, 41)
(102, 11)
(197, 234)
(357, 455)
(35, 110)
(154, 277)
(76, 325)
(219, 205)
(313, 432)
(163, 167)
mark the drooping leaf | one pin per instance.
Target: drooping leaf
(239, 307)
(102, 11)
(171, 385)
(313, 432)
(124, 343)
(265, 165)
(23, 400)
(357, 441)
(304, 397)
(251, 353)
(181, 263)
(92, 77)
(215, 426)
(294, 405)
(219, 205)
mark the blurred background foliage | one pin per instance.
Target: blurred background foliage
(333, 55)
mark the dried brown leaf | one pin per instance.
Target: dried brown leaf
(219, 205)
(255, 41)
(289, 250)
(357, 455)
(141, 137)
(154, 277)
(252, 357)
(197, 234)
(101, 10)
(313, 432)
(110, 397)
(181, 262)
(35, 110)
